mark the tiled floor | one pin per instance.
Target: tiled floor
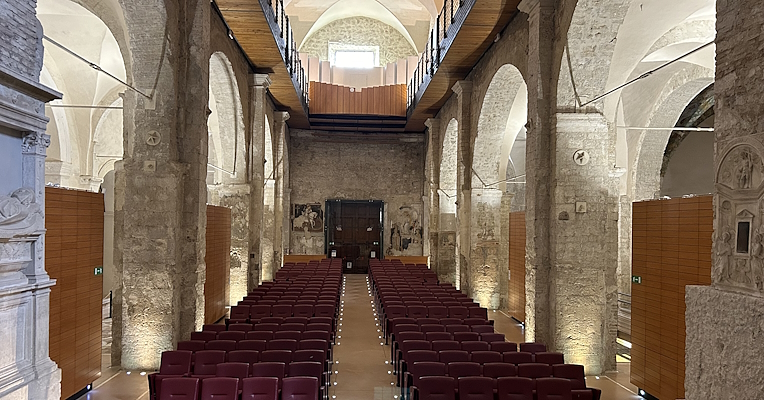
(361, 364)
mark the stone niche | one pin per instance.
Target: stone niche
(739, 241)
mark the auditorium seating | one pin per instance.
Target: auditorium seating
(277, 343)
(443, 346)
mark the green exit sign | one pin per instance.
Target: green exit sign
(636, 279)
(98, 271)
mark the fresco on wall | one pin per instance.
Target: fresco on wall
(308, 217)
(405, 232)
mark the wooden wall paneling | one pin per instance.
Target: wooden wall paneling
(74, 248)
(671, 249)
(218, 260)
(380, 100)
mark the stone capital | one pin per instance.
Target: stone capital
(531, 6)
(281, 116)
(432, 123)
(260, 80)
(35, 143)
(462, 88)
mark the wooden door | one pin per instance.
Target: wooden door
(354, 231)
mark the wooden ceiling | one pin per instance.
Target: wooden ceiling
(254, 32)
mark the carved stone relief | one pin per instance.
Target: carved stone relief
(742, 168)
(20, 214)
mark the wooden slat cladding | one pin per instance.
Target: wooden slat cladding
(326, 98)
(517, 265)
(73, 249)
(671, 249)
(218, 260)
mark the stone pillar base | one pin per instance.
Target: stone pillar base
(724, 351)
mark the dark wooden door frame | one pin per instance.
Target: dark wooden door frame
(330, 204)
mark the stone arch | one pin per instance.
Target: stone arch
(267, 233)
(227, 154)
(503, 115)
(448, 268)
(107, 140)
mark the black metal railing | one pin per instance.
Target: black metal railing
(440, 39)
(285, 39)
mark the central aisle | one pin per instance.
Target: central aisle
(362, 371)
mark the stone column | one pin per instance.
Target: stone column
(538, 169)
(724, 356)
(279, 142)
(485, 235)
(572, 210)
(463, 90)
(431, 198)
(161, 194)
(503, 272)
(258, 86)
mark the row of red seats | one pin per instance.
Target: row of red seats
(274, 344)
(486, 388)
(229, 388)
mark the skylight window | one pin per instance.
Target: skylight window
(354, 59)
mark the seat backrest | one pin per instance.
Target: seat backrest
(503, 347)
(460, 369)
(492, 337)
(433, 336)
(483, 357)
(207, 360)
(180, 389)
(306, 368)
(408, 345)
(470, 346)
(416, 311)
(239, 327)
(408, 335)
(518, 358)
(553, 389)
(244, 356)
(292, 327)
(533, 347)
(204, 336)
(271, 320)
(320, 335)
(282, 356)
(514, 388)
(272, 327)
(499, 369)
(549, 358)
(478, 312)
(482, 328)
(240, 312)
(323, 310)
(437, 388)
(405, 328)
(220, 388)
(225, 345)
(315, 344)
(437, 312)
(258, 345)
(260, 388)
(450, 321)
(395, 312)
(440, 345)
(534, 370)
(232, 335)
(475, 321)
(213, 327)
(573, 372)
(432, 328)
(457, 328)
(318, 327)
(300, 388)
(192, 345)
(297, 319)
(282, 344)
(449, 356)
(428, 321)
(269, 369)
(175, 362)
(476, 388)
(309, 355)
(232, 370)
(303, 310)
(426, 368)
(466, 336)
(420, 355)
(458, 312)
(293, 335)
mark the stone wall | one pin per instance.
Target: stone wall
(359, 31)
(21, 47)
(723, 354)
(362, 168)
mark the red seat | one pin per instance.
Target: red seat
(534, 371)
(220, 388)
(440, 345)
(483, 357)
(437, 312)
(476, 388)
(416, 311)
(492, 337)
(303, 310)
(266, 327)
(320, 335)
(553, 389)
(310, 369)
(532, 347)
(470, 346)
(192, 345)
(436, 388)
(324, 310)
(575, 373)
(499, 370)
(206, 362)
(503, 347)
(300, 388)
(518, 358)
(420, 369)
(281, 356)
(269, 370)
(476, 321)
(260, 388)
(232, 335)
(292, 335)
(240, 313)
(549, 358)
(467, 336)
(260, 335)
(482, 328)
(173, 364)
(180, 389)
(258, 345)
(292, 327)
(225, 345)
(432, 328)
(213, 328)
(478, 312)
(204, 336)
(239, 327)
(457, 370)
(514, 388)
(449, 356)
(244, 356)
(282, 344)
(458, 312)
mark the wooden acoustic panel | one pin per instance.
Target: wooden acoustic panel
(410, 259)
(671, 248)
(294, 258)
(326, 98)
(218, 260)
(73, 250)
(517, 265)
